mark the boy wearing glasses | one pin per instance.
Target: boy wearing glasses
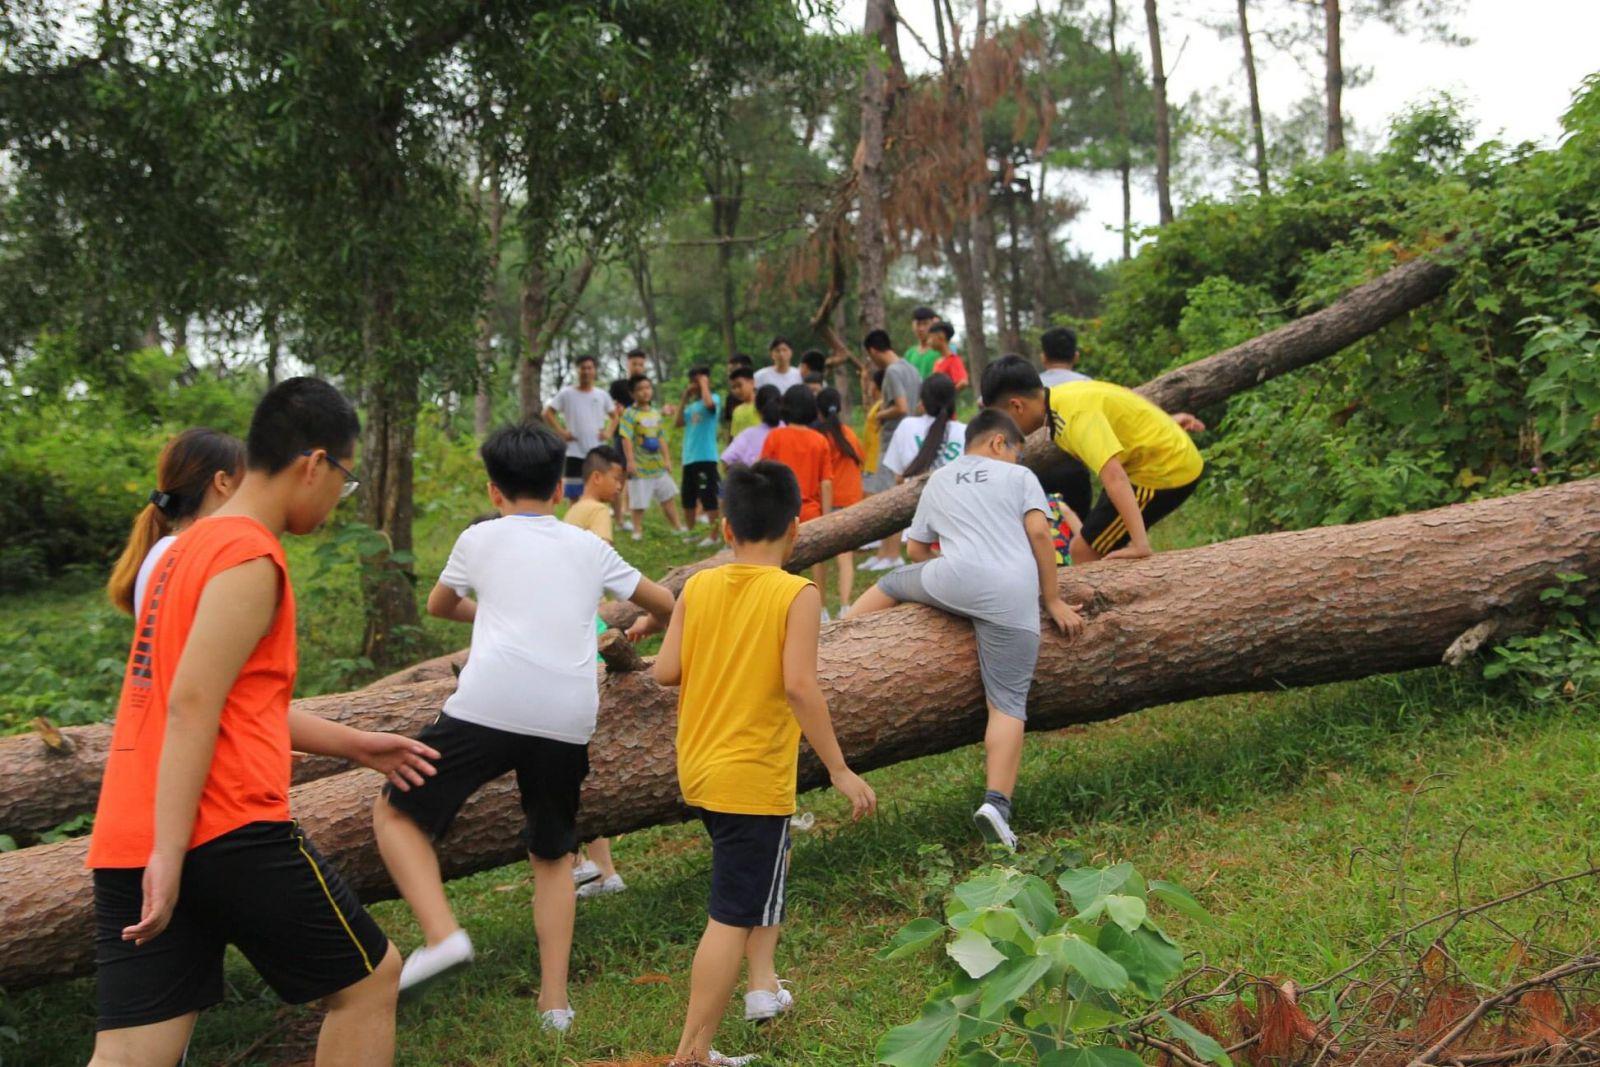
(996, 562)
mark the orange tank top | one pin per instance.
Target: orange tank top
(806, 452)
(249, 777)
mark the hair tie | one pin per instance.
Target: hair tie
(165, 503)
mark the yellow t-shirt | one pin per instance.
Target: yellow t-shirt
(1095, 421)
(593, 516)
(738, 741)
(869, 440)
(744, 417)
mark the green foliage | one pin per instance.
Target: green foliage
(1563, 662)
(1039, 982)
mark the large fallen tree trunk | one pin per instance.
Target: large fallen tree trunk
(1260, 613)
(72, 770)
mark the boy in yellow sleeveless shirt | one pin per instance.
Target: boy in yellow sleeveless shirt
(742, 647)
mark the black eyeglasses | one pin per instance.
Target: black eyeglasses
(351, 482)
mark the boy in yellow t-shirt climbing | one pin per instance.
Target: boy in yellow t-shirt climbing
(742, 647)
(1146, 463)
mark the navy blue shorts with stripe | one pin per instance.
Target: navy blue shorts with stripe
(263, 888)
(749, 867)
(1104, 529)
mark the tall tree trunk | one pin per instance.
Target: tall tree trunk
(639, 267)
(969, 284)
(724, 180)
(274, 348)
(1046, 284)
(483, 399)
(1257, 132)
(1333, 139)
(1014, 263)
(388, 441)
(1119, 108)
(1281, 610)
(877, 87)
(1158, 82)
(978, 235)
(533, 311)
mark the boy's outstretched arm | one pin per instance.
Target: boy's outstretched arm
(657, 603)
(811, 707)
(402, 760)
(446, 603)
(668, 669)
(1066, 618)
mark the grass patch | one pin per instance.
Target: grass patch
(1283, 811)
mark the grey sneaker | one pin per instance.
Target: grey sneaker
(587, 871)
(993, 826)
(557, 1020)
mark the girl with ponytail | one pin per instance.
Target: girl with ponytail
(932, 437)
(847, 490)
(198, 470)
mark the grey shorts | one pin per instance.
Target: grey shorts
(878, 481)
(1007, 655)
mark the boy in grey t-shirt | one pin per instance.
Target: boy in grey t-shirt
(996, 562)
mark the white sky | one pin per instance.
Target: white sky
(1526, 59)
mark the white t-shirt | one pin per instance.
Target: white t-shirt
(147, 568)
(585, 415)
(907, 442)
(784, 380)
(538, 583)
(973, 509)
(1054, 376)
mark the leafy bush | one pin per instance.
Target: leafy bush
(1563, 662)
(1038, 983)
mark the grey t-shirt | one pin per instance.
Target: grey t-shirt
(585, 412)
(974, 508)
(900, 379)
(1055, 376)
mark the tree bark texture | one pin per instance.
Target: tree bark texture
(1258, 133)
(1158, 82)
(969, 283)
(483, 400)
(389, 442)
(1289, 609)
(1333, 78)
(872, 236)
(1119, 108)
(74, 781)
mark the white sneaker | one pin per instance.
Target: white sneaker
(557, 1019)
(602, 887)
(431, 961)
(709, 542)
(872, 546)
(587, 871)
(627, 524)
(993, 826)
(844, 610)
(637, 536)
(825, 616)
(717, 1059)
(761, 1004)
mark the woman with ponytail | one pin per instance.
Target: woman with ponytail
(847, 459)
(932, 437)
(198, 470)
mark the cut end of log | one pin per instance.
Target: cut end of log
(619, 653)
(53, 738)
(1471, 640)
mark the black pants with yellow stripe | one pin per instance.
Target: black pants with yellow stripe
(1106, 532)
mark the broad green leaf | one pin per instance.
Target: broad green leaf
(1085, 885)
(1150, 962)
(974, 952)
(1007, 926)
(1091, 1056)
(1127, 912)
(988, 890)
(913, 937)
(922, 1042)
(1010, 981)
(1205, 1046)
(1037, 903)
(978, 1057)
(1098, 969)
(1179, 898)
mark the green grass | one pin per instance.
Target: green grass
(1282, 811)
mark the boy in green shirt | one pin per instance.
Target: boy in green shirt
(922, 355)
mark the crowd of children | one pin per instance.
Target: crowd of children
(194, 846)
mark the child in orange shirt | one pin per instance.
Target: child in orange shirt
(798, 446)
(847, 454)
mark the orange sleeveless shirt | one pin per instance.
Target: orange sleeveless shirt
(249, 777)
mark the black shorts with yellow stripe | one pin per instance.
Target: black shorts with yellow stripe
(263, 888)
(1106, 532)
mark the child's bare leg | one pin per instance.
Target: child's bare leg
(555, 905)
(873, 599)
(1081, 551)
(890, 549)
(600, 852)
(670, 509)
(819, 575)
(408, 854)
(761, 950)
(711, 984)
(847, 577)
(359, 1027)
(638, 520)
(161, 1042)
(1002, 751)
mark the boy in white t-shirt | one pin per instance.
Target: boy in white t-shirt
(530, 585)
(996, 565)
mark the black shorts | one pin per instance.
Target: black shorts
(701, 485)
(550, 776)
(1103, 527)
(572, 477)
(262, 888)
(749, 867)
